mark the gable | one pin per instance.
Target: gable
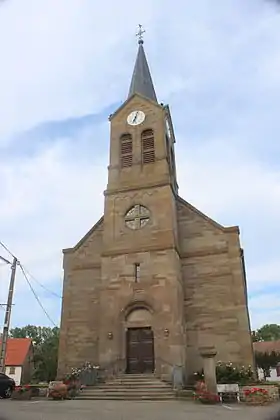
(187, 210)
(131, 102)
(198, 232)
(86, 240)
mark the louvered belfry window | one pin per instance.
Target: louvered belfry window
(126, 150)
(148, 146)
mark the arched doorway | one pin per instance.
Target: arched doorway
(139, 342)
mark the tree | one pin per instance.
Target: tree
(45, 357)
(268, 332)
(37, 334)
(45, 341)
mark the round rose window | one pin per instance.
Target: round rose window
(137, 217)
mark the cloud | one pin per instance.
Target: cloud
(67, 65)
(265, 308)
(265, 272)
(56, 58)
(53, 187)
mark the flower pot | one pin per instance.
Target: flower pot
(257, 400)
(22, 395)
(58, 391)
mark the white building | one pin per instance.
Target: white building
(19, 360)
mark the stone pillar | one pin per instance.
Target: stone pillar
(209, 365)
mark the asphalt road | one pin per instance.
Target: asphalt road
(128, 410)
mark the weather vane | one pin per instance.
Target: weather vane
(140, 33)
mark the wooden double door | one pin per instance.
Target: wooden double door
(140, 350)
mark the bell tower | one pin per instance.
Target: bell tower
(142, 164)
(142, 136)
(140, 259)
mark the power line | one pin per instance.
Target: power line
(24, 271)
(36, 297)
(7, 249)
(30, 275)
(5, 261)
(41, 285)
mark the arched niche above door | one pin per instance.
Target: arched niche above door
(139, 315)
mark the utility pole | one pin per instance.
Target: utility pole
(6, 327)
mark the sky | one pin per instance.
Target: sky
(65, 66)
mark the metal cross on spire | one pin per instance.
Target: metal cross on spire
(140, 33)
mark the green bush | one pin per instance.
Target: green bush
(227, 373)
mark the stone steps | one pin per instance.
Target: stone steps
(130, 387)
(125, 397)
(133, 387)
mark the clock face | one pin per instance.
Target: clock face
(136, 117)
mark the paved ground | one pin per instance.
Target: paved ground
(123, 410)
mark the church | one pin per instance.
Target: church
(155, 278)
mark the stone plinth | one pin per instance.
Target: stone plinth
(208, 354)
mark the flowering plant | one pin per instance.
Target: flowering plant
(75, 373)
(255, 391)
(203, 395)
(22, 388)
(256, 396)
(228, 373)
(73, 380)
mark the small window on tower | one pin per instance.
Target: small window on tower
(148, 146)
(126, 150)
(137, 272)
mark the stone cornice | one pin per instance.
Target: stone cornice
(138, 249)
(136, 188)
(232, 229)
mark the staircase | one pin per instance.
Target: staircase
(130, 387)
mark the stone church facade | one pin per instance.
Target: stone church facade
(154, 279)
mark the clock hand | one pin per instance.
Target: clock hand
(135, 118)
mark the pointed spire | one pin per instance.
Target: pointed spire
(141, 81)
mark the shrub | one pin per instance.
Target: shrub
(227, 373)
(230, 374)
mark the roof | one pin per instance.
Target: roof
(84, 238)
(267, 346)
(17, 350)
(141, 81)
